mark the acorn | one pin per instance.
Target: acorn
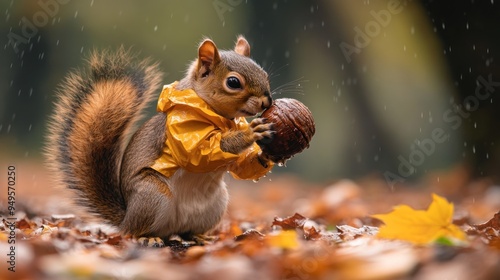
(294, 127)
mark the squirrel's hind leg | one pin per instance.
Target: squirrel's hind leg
(148, 201)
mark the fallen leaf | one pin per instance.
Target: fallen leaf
(114, 240)
(349, 233)
(420, 226)
(493, 223)
(25, 224)
(286, 239)
(293, 222)
(490, 231)
(311, 232)
(252, 234)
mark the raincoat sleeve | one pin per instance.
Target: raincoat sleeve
(247, 166)
(195, 141)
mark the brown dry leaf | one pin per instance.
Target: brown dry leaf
(493, 223)
(312, 233)
(251, 234)
(292, 222)
(24, 224)
(349, 233)
(114, 239)
(489, 231)
(62, 220)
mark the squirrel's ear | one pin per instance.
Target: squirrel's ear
(208, 56)
(242, 47)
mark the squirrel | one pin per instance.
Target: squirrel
(149, 184)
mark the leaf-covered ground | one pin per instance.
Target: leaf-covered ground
(281, 228)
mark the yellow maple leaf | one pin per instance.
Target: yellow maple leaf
(420, 226)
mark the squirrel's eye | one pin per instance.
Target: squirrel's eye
(233, 82)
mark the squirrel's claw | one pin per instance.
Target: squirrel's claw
(262, 130)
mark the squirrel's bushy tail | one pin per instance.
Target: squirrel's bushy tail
(93, 119)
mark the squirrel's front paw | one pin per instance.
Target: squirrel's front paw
(262, 130)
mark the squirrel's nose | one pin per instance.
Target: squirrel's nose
(266, 100)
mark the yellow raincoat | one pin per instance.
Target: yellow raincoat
(193, 138)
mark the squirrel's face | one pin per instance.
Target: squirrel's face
(230, 82)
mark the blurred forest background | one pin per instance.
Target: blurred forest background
(400, 89)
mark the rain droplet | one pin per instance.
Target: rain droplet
(328, 44)
(488, 61)
(155, 28)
